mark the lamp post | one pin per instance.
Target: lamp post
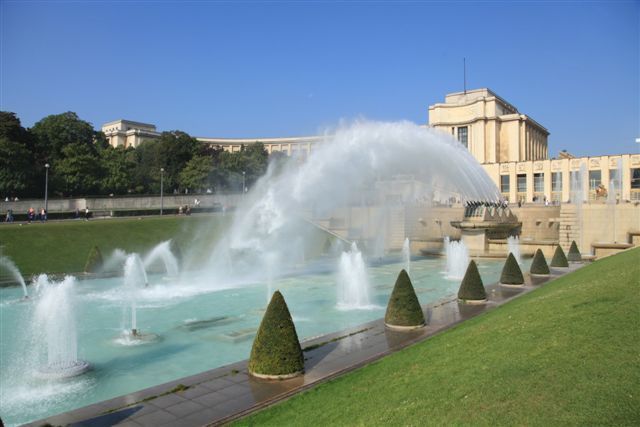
(161, 190)
(244, 188)
(46, 188)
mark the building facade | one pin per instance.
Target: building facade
(492, 129)
(293, 146)
(512, 148)
(127, 133)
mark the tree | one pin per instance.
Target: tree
(559, 258)
(118, 166)
(472, 288)
(539, 264)
(511, 272)
(175, 149)
(68, 144)
(94, 260)
(15, 168)
(56, 131)
(404, 309)
(276, 349)
(77, 170)
(16, 159)
(574, 253)
(196, 172)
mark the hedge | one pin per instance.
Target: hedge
(404, 308)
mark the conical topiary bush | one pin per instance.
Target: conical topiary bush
(539, 264)
(559, 259)
(574, 253)
(511, 272)
(403, 310)
(471, 288)
(276, 352)
(94, 260)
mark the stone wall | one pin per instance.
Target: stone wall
(105, 204)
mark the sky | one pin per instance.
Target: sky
(267, 69)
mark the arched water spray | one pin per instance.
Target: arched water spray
(54, 320)
(353, 283)
(162, 252)
(457, 256)
(406, 255)
(353, 162)
(7, 264)
(115, 261)
(513, 246)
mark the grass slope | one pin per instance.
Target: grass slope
(58, 247)
(567, 353)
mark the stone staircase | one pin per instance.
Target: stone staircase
(569, 227)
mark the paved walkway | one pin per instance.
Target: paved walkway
(221, 395)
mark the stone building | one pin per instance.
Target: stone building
(511, 146)
(126, 133)
(492, 129)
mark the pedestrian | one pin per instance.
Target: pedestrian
(9, 217)
(86, 214)
(31, 215)
(43, 215)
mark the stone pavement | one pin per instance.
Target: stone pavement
(229, 392)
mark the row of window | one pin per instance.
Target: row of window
(595, 179)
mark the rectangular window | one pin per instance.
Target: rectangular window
(635, 178)
(538, 182)
(463, 136)
(556, 182)
(504, 183)
(595, 179)
(522, 183)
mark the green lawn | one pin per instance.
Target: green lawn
(565, 354)
(63, 246)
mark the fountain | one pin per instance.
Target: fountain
(54, 319)
(353, 284)
(163, 252)
(271, 260)
(513, 246)
(613, 196)
(114, 262)
(577, 197)
(406, 255)
(339, 183)
(135, 278)
(457, 256)
(10, 266)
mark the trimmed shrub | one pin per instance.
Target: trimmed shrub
(559, 259)
(539, 264)
(574, 253)
(472, 288)
(94, 260)
(511, 272)
(404, 308)
(276, 350)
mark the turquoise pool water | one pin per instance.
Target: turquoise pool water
(201, 326)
